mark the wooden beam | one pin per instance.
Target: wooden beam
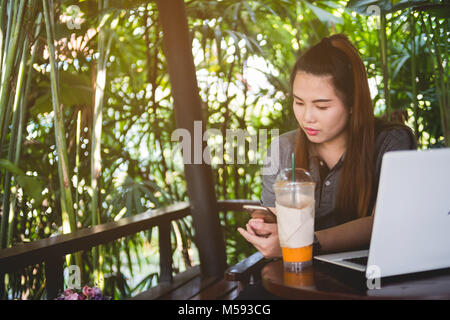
(22, 255)
(165, 253)
(54, 276)
(187, 106)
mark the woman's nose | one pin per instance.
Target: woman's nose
(309, 115)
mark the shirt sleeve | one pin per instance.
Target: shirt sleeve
(391, 140)
(395, 139)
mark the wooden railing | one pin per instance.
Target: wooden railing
(52, 250)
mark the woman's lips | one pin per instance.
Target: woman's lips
(311, 132)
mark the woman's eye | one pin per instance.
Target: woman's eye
(322, 108)
(299, 103)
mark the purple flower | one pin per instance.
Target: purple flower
(81, 297)
(68, 291)
(97, 291)
(72, 296)
(88, 292)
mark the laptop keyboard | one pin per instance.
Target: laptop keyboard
(360, 260)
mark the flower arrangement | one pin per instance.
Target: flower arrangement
(87, 293)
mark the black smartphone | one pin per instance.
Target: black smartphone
(260, 212)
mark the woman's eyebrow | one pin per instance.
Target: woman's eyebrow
(322, 100)
(315, 101)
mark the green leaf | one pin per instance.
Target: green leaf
(75, 90)
(11, 167)
(129, 203)
(137, 201)
(32, 186)
(362, 6)
(42, 105)
(323, 15)
(399, 64)
(250, 12)
(235, 38)
(437, 10)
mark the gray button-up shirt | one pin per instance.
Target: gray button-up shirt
(279, 156)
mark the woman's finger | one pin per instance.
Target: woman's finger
(256, 220)
(250, 230)
(269, 247)
(263, 228)
(252, 238)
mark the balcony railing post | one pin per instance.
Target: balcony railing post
(188, 114)
(54, 276)
(165, 252)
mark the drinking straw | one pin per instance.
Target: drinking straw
(293, 176)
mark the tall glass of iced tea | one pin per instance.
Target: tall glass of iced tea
(294, 193)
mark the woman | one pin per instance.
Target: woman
(339, 142)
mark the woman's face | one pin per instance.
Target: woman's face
(320, 113)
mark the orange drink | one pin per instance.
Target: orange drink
(297, 254)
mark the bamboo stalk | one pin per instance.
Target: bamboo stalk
(7, 120)
(103, 48)
(9, 63)
(11, 152)
(439, 94)
(9, 14)
(12, 113)
(444, 105)
(27, 88)
(2, 15)
(384, 64)
(68, 217)
(412, 28)
(447, 70)
(8, 98)
(23, 102)
(77, 160)
(446, 79)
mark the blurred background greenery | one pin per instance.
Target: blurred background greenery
(243, 52)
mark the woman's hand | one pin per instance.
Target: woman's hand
(268, 245)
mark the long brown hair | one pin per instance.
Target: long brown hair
(336, 56)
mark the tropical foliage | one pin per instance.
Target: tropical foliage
(86, 112)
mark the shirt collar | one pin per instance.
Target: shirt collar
(314, 156)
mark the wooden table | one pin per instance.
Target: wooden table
(321, 282)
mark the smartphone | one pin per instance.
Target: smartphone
(261, 213)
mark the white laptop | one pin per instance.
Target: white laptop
(411, 229)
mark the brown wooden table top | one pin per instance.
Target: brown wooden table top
(319, 282)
